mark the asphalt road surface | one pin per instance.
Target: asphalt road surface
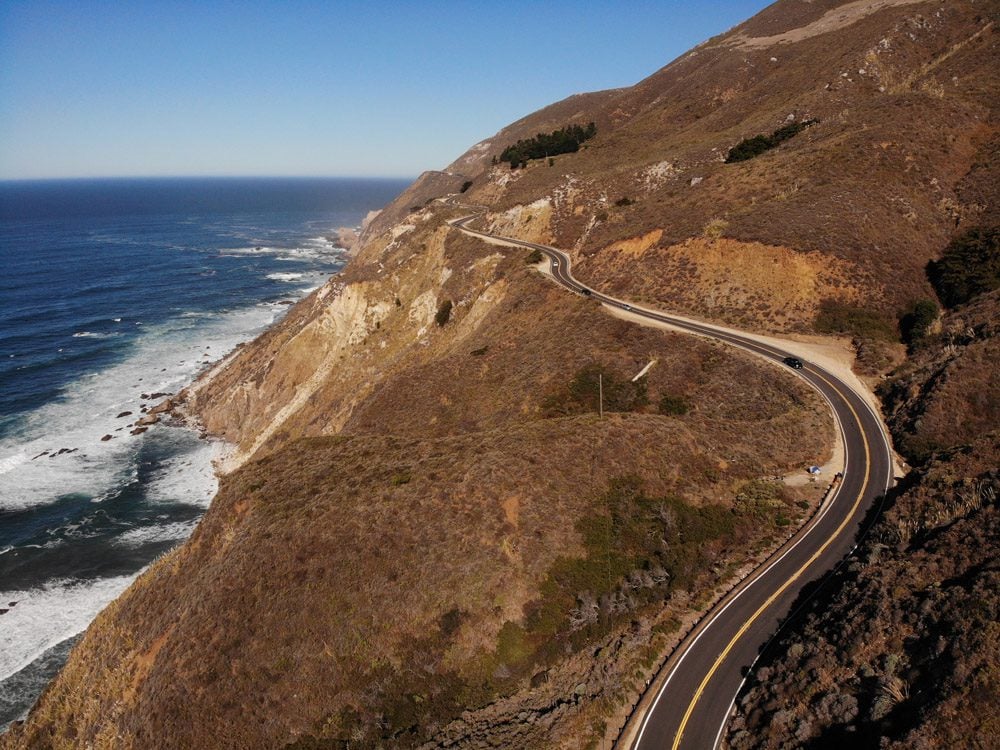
(689, 702)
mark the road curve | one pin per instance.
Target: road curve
(689, 702)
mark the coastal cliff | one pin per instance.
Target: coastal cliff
(425, 535)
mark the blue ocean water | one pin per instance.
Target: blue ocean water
(111, 292)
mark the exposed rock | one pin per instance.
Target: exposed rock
(162, 407)
(347, 238)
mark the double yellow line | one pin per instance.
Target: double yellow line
(755, 347)
(794, 577)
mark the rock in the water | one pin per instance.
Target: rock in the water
(138, 430)
(163, 406)
(106, 438)
(124, 414)
(148, 420)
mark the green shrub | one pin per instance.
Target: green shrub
(968, 267)
(841, 318)
(465, 186)
(626, 201)
(443, 313)
(758, 144)
(535, 256)
(917, 320)
(582, 394)
(674, 405)
(563, 141)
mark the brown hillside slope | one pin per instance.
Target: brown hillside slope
(901, 649)
(406, 580)
(902, 156)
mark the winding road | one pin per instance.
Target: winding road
(689, 702)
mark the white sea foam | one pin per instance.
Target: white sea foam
(291, 277)
(94, 335)
(8, 463)
(188, 476)
(170, 532)
(312, 250)
(48, 615)
(59, 450)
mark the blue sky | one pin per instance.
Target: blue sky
(308, 88)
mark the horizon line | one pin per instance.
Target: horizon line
(80, 178)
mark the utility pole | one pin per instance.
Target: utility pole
(600, 391)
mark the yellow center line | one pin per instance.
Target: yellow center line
(768, 350)
(798, 573)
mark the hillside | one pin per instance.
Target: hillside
(850, 210)
(901, 648)
(426, 537)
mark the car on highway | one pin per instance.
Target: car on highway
(794, 362)
(585, 291)
(626, 307)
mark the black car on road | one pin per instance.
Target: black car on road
(794, 362)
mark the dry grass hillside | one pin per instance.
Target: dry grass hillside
(434, 572)
(900, 650)
(427, 531)
(902, 156)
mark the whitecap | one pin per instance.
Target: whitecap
(49, 615)
(170, 532)
(284, 276)
(93, 335)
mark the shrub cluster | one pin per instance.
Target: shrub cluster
(583, 393)
(751, 147)
(675, 406)
(443, 313)
(915, 323)
(839, 317)
(968, 267)
(563, 141)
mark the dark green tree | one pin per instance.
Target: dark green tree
(968, 267)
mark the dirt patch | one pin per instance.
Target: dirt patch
(751, 283)
(832, 20)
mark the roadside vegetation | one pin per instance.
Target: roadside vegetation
(566, 140)
(968, 267)
(900, 647)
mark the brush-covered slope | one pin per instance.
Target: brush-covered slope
(901, 650)
(439, 562)
(902, 154)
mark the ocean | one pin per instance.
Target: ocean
(111, 292)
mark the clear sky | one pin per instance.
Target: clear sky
(308, 88)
